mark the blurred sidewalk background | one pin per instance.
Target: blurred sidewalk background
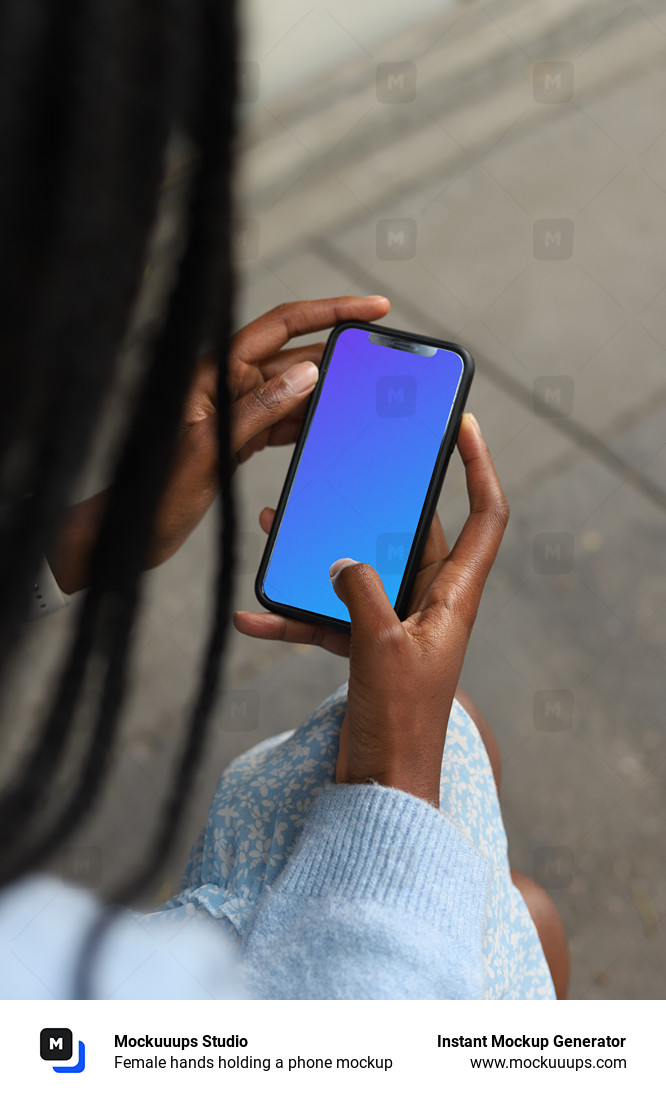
(498, 170)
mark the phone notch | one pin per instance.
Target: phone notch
(400, 344)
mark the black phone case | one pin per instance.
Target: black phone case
(432, 496)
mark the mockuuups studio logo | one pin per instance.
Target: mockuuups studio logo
(553, 81)
(552, 239)
(553, 552)
(56, 1045)
(392, 551)
(396, 395)
(553, 867)
(396, 239)
(553, 710)
(553, 395)
(239, 710)
(396, 81)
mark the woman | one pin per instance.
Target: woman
(374, 891)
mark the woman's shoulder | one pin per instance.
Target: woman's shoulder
(43, 926)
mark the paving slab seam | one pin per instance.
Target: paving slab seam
(581, 436)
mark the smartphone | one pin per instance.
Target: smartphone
(367, 469)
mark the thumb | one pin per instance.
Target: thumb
(361, 590)
(269, 403)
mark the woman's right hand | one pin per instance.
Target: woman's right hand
(403, 675)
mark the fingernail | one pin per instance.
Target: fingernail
(376, 298)
(472, 419)
(339, 565)
(301, 378)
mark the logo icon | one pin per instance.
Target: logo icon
(553, 710)
(554, 867)
(553, 552)
(396, 239)
(396, 81)
(552, 395)
(56, 1045)
(396, 395)
(553, 81)
(239, 710)
(552, 239)
(393, 551)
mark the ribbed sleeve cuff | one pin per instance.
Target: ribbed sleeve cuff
(378, 844)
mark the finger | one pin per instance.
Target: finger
(435, 551)
(361, 590)
(467, 566)
(285, 431)
(256, 443)
(282, 434)
(269, 333)
(277, 364)
(436, 547)
(266, 517)
(271, 627)
(264, 406)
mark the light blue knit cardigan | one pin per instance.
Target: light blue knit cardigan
(382, 897)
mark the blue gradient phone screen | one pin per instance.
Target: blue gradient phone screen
(364, 471)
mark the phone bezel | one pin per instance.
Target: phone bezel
(432, 495)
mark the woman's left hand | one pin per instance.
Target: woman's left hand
(269, 385)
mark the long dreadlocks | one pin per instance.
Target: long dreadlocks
(90, 94)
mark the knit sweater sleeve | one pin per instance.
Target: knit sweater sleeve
(383, 897)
